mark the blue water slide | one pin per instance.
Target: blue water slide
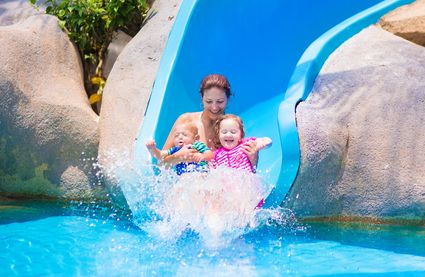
(271, 52)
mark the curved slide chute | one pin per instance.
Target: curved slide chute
(270, 52)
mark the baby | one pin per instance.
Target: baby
(229, 141)
(184, 135)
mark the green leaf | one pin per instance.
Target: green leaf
(62, 24)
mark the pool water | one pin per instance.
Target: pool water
(52, 239)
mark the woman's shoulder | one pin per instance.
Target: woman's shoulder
(189, 117)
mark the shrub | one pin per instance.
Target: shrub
(91, 25)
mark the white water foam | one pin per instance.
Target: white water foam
(220, 205)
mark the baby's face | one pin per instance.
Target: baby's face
(230, 133)
(183, 136)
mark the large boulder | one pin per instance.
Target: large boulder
(361, 132)
(128, 89)
(48, 132)
(407, 22)
(118, 43)
(14, 11)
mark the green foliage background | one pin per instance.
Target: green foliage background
(91, 25)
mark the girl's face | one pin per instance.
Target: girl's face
(230, 133)
(214, 101)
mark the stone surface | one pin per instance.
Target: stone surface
(14, 11)
(361, 132)
(46, 122)
(128, 89)
(116, 46)
(407, 22)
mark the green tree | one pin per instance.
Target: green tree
(91, 25)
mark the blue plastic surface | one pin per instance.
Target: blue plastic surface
(260, 47)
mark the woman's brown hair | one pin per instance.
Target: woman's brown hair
(217, 127)
(215, 80)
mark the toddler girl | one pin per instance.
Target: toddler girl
(229, 141)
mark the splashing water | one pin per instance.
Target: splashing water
(219, 206)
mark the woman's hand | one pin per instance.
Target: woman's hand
(251, 150)
(198, 157)
(185, 154)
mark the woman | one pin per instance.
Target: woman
(215, 93)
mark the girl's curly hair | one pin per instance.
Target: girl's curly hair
(217, 127)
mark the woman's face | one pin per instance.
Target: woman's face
(214, 101)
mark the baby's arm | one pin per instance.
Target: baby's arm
(155, 152)
(262, 143)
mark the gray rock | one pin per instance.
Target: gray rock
(48, 132)
(361, 132)
(407, 22)
(128, 88)
(14, 11)
(119, 41)
(115, 48)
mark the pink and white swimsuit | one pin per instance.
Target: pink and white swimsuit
(233, 158)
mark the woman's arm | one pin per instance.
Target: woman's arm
(250, 149)
(205, 156)
(263, 143)
(185, 154)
